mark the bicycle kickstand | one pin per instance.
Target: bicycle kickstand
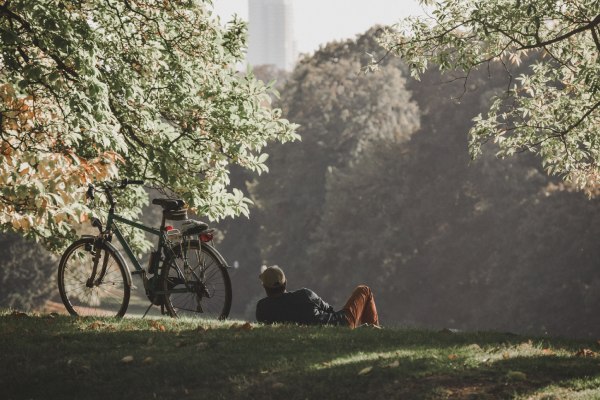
(147, 309)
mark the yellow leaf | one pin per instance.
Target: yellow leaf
(365, 371)
(127, 359)
(516, 376)
(16, 222)
(26, 222)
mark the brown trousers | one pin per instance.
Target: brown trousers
(360, 308)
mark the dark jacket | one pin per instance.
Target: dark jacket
(301, 306)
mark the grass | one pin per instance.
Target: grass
(60, 357)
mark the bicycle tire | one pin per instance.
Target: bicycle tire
(209, 296)
(110, 297)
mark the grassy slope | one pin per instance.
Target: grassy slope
(58, 357)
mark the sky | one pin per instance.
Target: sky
(317, 22)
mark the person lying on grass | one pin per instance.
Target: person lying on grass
(305, 307)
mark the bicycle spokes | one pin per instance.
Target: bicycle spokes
(206, 287)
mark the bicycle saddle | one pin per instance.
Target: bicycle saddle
(169, 204)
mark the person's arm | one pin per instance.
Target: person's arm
(261, 315)
(321, 304)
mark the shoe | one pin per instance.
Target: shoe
(373, 326)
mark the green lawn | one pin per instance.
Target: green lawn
(59, 357)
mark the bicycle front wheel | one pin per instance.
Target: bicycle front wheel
(106, 293)
(196, 282)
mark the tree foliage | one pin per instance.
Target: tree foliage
(341, 111)
(497, 245)
(552, 109)
(95, 90)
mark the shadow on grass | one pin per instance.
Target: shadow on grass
(62, 357)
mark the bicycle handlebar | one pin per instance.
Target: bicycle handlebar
(108, 186)
(126, 182)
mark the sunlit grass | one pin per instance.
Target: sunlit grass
(55, 357)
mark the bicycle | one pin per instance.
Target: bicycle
(186, 275)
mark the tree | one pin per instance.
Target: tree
(341, 112)
(97, 90)
(554, 108)
(28, 273)
(433, 235)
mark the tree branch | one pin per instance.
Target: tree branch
(591, 25)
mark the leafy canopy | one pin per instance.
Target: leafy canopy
(552, 109)
(95, 90)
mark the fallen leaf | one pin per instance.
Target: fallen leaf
(158, 326)
(586, 353)
(395, 364)
(202, 345)
(127, 359)
(96, 325)
(516, 376)
(246, 327)
(505, 355)
(365, 370)
(547, 352)
(241, 327)
(526, 345)
(18, 314)
(452, 357)
(147, 360)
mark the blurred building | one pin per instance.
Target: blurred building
(271, 33)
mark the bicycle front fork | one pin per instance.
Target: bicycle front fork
(96, 251)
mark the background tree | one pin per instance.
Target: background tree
(28, 273)
(444, 243)
(552, 109)
(95, 90)
(447, 244)
(340, 111)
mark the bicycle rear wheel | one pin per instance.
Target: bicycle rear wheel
(104, 294)
(196, 282)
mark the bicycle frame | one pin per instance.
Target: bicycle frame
(111, 227)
